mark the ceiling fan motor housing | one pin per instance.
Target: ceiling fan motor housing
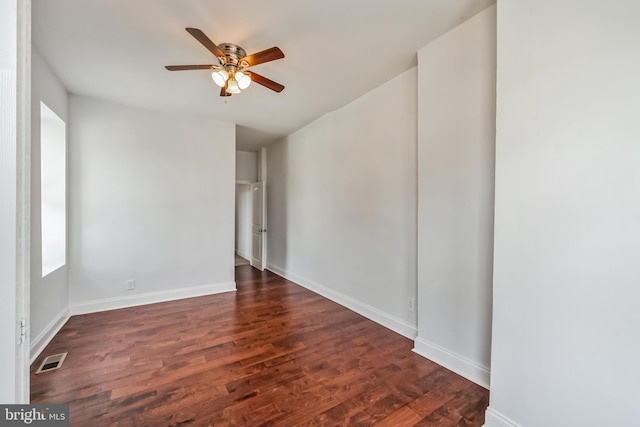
(234, 53)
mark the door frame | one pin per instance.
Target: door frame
(15, 220)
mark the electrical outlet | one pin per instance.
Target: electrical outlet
(131, 285)
(411, 305)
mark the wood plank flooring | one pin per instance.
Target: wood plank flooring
(270, 354)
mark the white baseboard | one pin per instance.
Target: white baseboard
(40, 342)
(150, 298)
(388, 321)
(457, 363)
(493, 418)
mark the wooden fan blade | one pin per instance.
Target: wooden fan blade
(223, 92)
(188, 67)
(266, 55)
(277, 87)
(206, 42)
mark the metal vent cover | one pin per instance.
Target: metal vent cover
(51, 363)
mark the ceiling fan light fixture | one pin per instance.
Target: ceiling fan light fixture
(230, 74)
(220, 77)
(232, 86)
(243, 79)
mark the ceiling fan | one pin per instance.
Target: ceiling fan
(231, 72)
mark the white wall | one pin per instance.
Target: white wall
(565, 345)
(152, 200)
(246, 166)
(456, 146)
(341, 204)
(49, 295)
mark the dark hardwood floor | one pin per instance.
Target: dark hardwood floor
(270, 354)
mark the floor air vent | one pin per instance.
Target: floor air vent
(51, 363)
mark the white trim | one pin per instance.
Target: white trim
(388, 321)
(455, 362)
(23, 204)
(494, 418)
(50, 331)
(150, 298)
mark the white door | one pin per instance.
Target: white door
(258, 224)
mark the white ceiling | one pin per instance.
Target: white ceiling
(335, 51)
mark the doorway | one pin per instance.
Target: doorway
(250, 224)
(243, 224)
